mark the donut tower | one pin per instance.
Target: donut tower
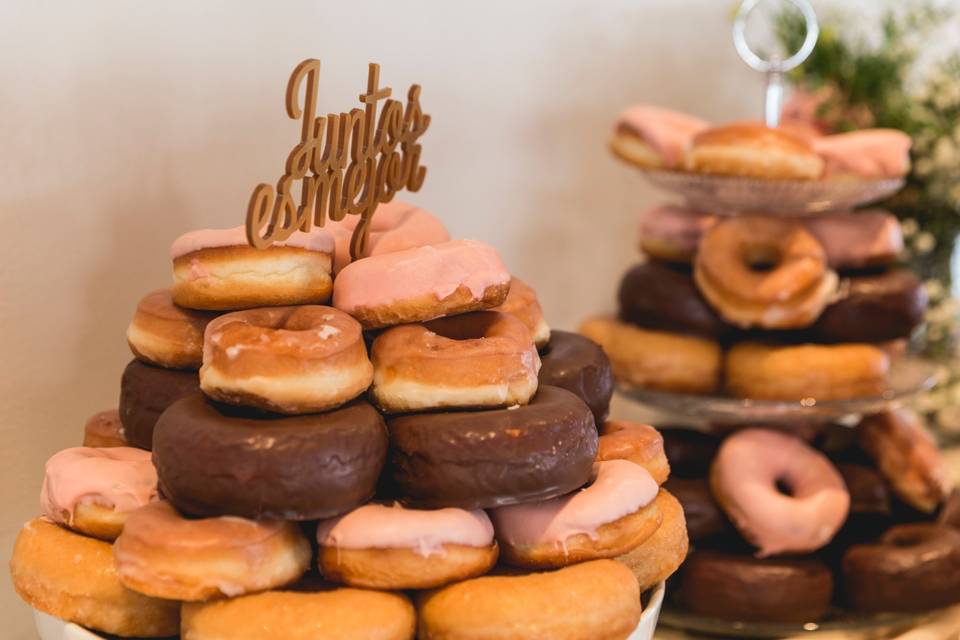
(385, 444)
(797, 520)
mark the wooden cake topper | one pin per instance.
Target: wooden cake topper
(345, 164)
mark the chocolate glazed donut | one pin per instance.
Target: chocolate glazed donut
(656, 296)
(213, 460)
(482, 459)
(704, 518)
(874, 309)
(913, 567)
(145, 392)
(580, 366)
(689, 451)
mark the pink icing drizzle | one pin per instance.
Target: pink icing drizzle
(677, 225)
(436, 270)
(620, 487)
(317, 239)
(377, 526)
(120, 477)
(853, 239)
(668, 132)
(869, 153)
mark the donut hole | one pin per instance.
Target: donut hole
(761, 258)
(905, 539)
(783, 487)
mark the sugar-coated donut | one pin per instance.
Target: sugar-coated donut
(579, 365)
(781, 494)
(104, 429)
(72, 577)
(639, 443)
(285, 359)
(92, 490)
(672, 233)
(764, 272)
(615, 513)
(145, 392)
(858, 239)
(216, 269)
(212, 461)
(792, 372)
(340, 613)
(596, 600)
(422, 283)
(877, 308)
(167, 335)
(865, 154)
(395, 226)
(657, 359)
(659, 556)
(482, 459)
(654, 137)
(907, 456)
(391, 547)
(523, 303)
(701, 513)
(752, 150)
(162, 554)
(472, 360)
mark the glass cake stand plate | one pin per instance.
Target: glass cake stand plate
(908, 376)
(731, 195)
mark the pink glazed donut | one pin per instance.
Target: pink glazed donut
(615, 514)
(391, 547)
(396, 226)
(91, 490)
(654, 137)
(421, 284)
(672, 233)
(864, 154)
(858, 239)
(746, 479)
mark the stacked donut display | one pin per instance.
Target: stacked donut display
(386, 447)
(800, 521)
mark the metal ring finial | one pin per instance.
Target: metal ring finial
(782, 66)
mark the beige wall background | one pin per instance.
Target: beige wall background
(124, 124)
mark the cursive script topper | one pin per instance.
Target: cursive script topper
(345, 163)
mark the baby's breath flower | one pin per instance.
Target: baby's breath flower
(924, 242)
(908, 226)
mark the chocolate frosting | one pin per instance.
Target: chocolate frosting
(868, 491)
(689, 451)
(579, 365)
(913, 567)
(950, 512)
(657, 296)
(213, 460)
(482, 459)
(704, 518)
(145, 392)
(874, 308)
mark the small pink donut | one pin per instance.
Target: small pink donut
(858, 239)
(396, 226)
(672, 233)
(746, 477)
(868, 153)
(663, 135)
(423, 283)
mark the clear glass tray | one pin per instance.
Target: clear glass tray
(730, 195)
(908, 376)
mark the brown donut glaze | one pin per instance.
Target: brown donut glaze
(145, 392)
(579, 365)
(874, 308)
(213, 460)
(689, 451)
(950, 512)
(868, 492)
(704, 517)
(482, 459)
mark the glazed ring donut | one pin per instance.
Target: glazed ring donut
(290, 468)
(793, 372)
(577, 364)
(639, 443)
(479, 359)
(162, 554)
(215, 269)
(285, 359)
(913, 567)
(660, 555)
(865, 154)
(104, 429)
(672, 233)
(421, 284)
(780, 493)
(522, 302)
(390, 547)
(395, 226)
(907, 456)
(752, 150)
(597, 600)
(653, 137)
(483, 459)
(764, 272)
(165, 335)
(657, 359)
(146, 392)
(93, 490)
(298, 615)
(614, 514)
(72, 577)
